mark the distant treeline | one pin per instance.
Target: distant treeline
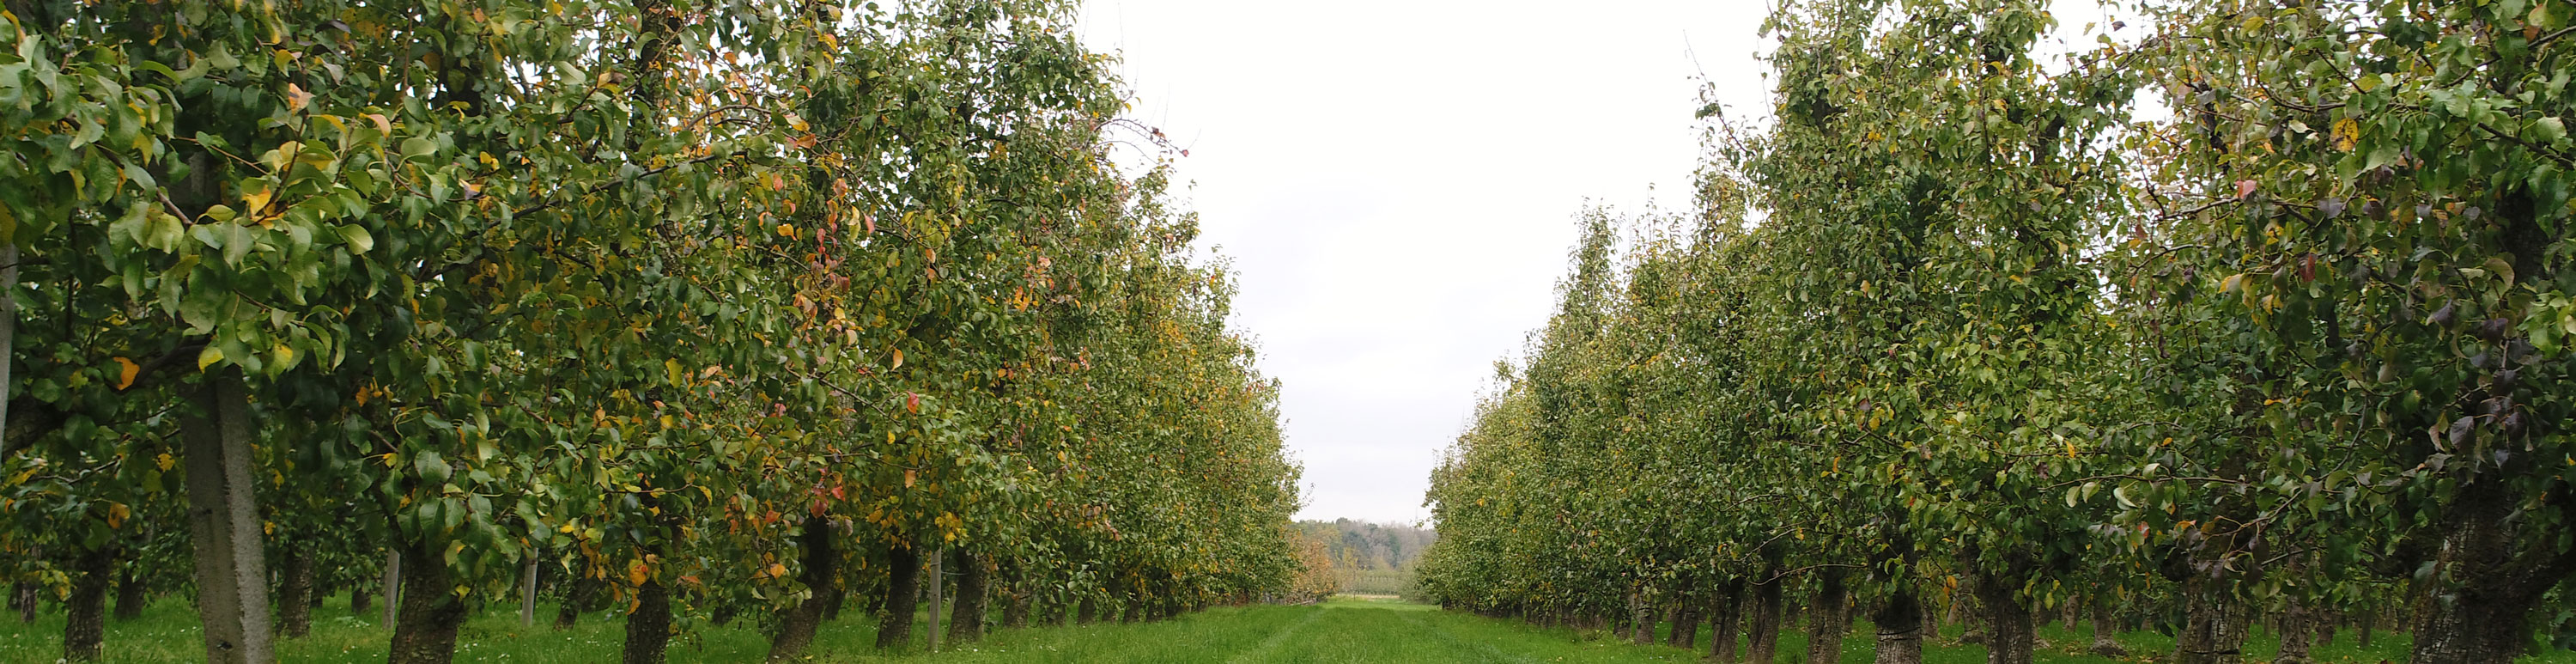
(1368, 557)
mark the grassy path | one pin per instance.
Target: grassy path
(1342, 630)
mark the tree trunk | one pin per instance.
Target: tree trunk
(974, 582)
(902, 597)
(2104, 630)
(1641, 618)
(937, 576)
(1685, 632)
(8, 331)
(2298, 634)
(2214, 623)
(582, 597)
(1723, 631)
(22, 597)
(1016, 596)
(2009, 632)
(1900, 628)
(130, 593)
(85, 612)
(1090, 609)
(1766, 622)
(1825, 626)
(359, 598)
(429, 612)
(295, 593)
(223, 523)
(648, 629)
(796, 624)
(2486, 580)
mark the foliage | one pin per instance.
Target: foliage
(1960, 320)
(640, 290)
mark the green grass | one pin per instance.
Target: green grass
(1341, 630)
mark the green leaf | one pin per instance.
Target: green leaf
(2548, 130)
(359, 240)
(165, 232)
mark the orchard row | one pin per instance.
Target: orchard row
(2251, 311)
(696, 311)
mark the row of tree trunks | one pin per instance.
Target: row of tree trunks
(2215, 627)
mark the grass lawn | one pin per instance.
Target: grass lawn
(1342, 630)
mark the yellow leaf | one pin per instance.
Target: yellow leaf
(255, 201)
(165, 461)
(898, 359)
(786, 230)
(296, 98)
(126, 369)
(208, 357)
(637, 573)
(116, 513)
(2346, 133)
(908, 477)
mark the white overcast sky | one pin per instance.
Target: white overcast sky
(1397, 181)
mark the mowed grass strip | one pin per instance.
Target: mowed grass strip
(1341, 630)
(1344, 629)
